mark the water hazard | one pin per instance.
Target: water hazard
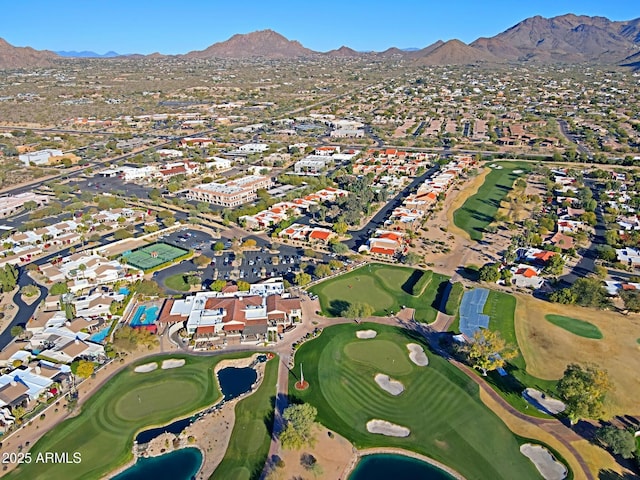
(386, 465)
(181, 464)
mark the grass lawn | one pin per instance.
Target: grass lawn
(479, 210)
(501, 308)
(249, 443)
(104, 430)
(575, 326)
(440, 404)
(177, 282)
(386, 288)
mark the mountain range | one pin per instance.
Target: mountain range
(87, 54)
(563, 39)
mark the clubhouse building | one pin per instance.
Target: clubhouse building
(230, 317)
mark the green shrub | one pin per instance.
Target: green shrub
(455, 297)
(422, 283)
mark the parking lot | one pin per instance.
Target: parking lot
(252, 266)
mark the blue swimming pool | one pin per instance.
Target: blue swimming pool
(145, 315)
(100, 335)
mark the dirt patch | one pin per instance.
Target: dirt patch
(543, 403)
(333, 453)
(172, 363)
(417, 355)
(548, 349)
(389, 429)
(146, 368)
(389, 385)
(545, 462)
(366, 334)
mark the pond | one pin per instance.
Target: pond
(181, 464)
(236, 381)
(386, 465)
(176, 427)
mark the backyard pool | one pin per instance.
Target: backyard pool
(145, 315)
(100, 335)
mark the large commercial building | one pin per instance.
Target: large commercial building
(230, 194)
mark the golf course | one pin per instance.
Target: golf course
(480, 209)
(386, 288)
(104, 430)
(440, 405)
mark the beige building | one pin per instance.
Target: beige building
(232, 193)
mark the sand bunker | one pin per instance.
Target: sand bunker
(147, 367)
(172, 363)
(545, 404)
(545, 462)
(394, 387)
(366, 334)
(417, 355)
(518, 171)
(389, 429)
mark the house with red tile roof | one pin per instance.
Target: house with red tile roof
(233, 317)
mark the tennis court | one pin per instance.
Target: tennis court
(150, 256)
(471, 307)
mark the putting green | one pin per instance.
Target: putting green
(147, 401)
(440, 404)
(104, 430)
(575, 326)
(359, 288)
(386, 288)
(389, 358)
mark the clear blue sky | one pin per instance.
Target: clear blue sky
(170, 27)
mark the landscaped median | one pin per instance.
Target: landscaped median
(102, 434)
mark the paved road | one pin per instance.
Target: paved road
(586, 264)
(564, 129)
(360, 237)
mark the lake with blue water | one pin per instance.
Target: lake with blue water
(386, 465)
(181, 464)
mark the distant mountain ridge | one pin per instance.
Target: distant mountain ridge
(563, 39)
(260, 44)
(87, 54)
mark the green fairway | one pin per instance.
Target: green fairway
(103, 432)
(480, 209)
(177, 282)
(249, 444)
(386, 288)
(501, 309)
(575, 326)
(440, 404)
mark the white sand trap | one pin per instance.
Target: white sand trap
(172, 363)
(545, 462)
(518, 171)
(147, 367)
(389, 429)
(366, 334)
(542, 402)
(394, 387)
(417, 355)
